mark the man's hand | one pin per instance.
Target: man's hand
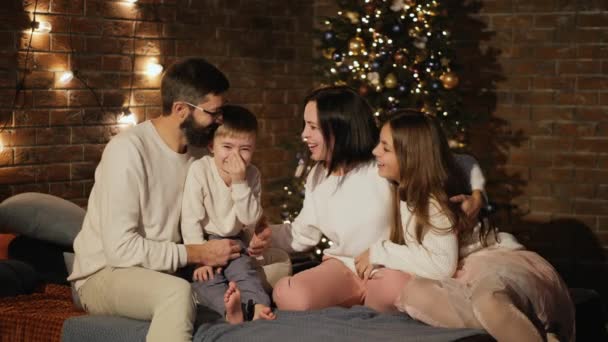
(213, 252)
(363, 266)
(469, 204)
(261, 238)
(236, 167)
(204, 273)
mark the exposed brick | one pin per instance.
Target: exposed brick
(530, 158)
(50, 98)
(35, 42)
(579, 98)
(602, 192)
(37, 155)
(83, 171)
(592, 83)
(591, 207)
(67, 6)
(591, 145)
(552, 113)
(53, 136)
(50, 61)
(569, 190)
(549, 204)
(31, 118)
(551, 175)
(574, 129)
(578, 67)
(591, 176)
(551, 144)
(52, 172)
(67, 190)
(93, 152)
(6, 156)
(554, 83)
(17, 174)
(591, 114)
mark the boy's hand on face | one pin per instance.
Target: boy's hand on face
(236, 167)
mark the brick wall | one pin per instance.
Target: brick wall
(54, 138)
(544, 68)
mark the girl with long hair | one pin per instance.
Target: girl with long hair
(514, 294)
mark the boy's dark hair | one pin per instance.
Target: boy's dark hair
(237, 120)
(190, 80)
(346, 119)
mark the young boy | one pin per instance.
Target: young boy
(221, 200)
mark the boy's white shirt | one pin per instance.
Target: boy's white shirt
(210, 206)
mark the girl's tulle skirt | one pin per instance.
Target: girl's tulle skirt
(530, 281)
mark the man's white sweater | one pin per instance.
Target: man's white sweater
(134, 207)
(211, 206)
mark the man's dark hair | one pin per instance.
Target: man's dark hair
(190, 80)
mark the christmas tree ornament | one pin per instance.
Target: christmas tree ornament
(449, 80)
(328, 52)
(397, 5)
(374, 78)
(356, 46)
(328, 35)
(390, 81)
(353, 17)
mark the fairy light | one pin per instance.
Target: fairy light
(154, 69)
(42, 26)
(127, 117)
(66, 76)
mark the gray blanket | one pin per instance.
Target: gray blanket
(333, 324)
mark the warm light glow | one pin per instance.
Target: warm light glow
(66, 76)
(131, 1)
(154, 69)
(1, 146)
(42, 26)
(127, 117)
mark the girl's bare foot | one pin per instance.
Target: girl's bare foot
(232, 303)
(263, 312)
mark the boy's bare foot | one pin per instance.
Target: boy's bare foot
(232, 303)
(263, 312)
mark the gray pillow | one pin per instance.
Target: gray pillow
(41, 216)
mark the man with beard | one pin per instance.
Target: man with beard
(130, 241)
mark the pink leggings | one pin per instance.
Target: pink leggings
(334, 284)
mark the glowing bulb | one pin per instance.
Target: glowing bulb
(42, 26)
(1, 146)
(318, 251)
(131, 1)
(154, 69)
(127, 117)
(66, 76)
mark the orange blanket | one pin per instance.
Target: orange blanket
(37, 317)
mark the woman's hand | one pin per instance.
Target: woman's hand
(363, 266)
(469, 204)
(261, 239)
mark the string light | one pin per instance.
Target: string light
(154, 69)
(66, 76)
(127, 117)
(42, 26)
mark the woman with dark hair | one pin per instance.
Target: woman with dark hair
(512, 293)
(345, 200)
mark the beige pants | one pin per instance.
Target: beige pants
(143, 294)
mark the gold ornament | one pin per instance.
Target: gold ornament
(356, 45)
(328, 52)
(449, 80)
(353, 17)
(390, 81)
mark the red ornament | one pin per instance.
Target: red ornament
(363, 90)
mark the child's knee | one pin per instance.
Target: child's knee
(286, 297)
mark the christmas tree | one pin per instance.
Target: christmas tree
(397, 54)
